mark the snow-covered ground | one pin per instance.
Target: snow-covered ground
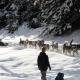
(20, 63)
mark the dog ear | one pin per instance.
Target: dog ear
(61, 74)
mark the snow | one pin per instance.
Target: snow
(20, 63)
(33, 34)
(17, 63)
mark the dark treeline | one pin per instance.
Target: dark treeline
(65, 14)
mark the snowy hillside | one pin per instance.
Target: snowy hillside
(35, 34)
(20, 63)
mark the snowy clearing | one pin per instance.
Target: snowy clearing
(20, 63)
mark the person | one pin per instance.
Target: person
(43, 63)
(60, 76)
(71, 42)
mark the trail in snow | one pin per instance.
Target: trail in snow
(21, 64)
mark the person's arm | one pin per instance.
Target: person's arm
(38, 61)
(49, 64)
(49, 67)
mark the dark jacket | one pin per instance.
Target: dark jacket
(43, 62)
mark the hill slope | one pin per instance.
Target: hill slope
(35, 34)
